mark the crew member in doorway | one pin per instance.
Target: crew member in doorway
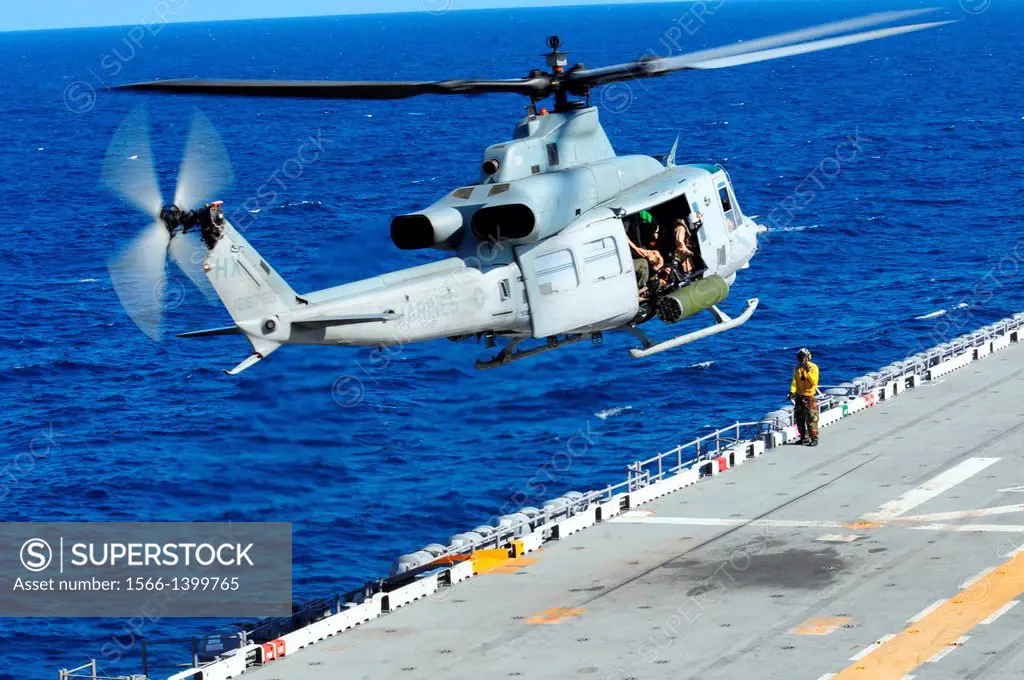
(647, 261)
(802, 391)
(684, 253)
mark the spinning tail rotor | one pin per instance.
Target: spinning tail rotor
(184, 230)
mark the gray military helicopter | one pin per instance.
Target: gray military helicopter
(547, 242)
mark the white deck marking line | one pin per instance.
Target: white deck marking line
(971, 528)
(949, 648)
(999, 612)
(872, 647)
(963, 514)
(716, 522)
(692, 521)
(838, 538)
(1012, 489)
(930, 489)
(827, 676)
(926, 611)
(967, 584)
(637, 513)
(815, 524)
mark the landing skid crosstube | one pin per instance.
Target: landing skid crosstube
(509, 353)
(723, 322)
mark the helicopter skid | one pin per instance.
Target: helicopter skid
(723, 322)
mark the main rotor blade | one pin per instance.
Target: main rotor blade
(646, 68)
(815, 46)
(139, 278)
(326, 89)
(205, 167)
(128, 169)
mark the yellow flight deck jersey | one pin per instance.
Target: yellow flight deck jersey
(805, 380)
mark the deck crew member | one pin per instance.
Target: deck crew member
(803, 390)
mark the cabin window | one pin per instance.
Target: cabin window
(727, 207)
(556, 272)
(601, 258)
(463, 193)
(497, 189)
(552, 154)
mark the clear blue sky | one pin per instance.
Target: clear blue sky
(16, 15)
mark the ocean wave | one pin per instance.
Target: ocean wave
(701, 364)
(288, 205)
(931, 315)
(796, 227)
(607, 413)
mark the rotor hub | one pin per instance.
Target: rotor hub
(173, 218)
(209, 219)
(556, 58)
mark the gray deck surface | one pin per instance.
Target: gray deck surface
(676, 600)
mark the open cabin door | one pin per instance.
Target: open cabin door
(714, 236)
(579, 279)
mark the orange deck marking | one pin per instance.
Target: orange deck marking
(822, 626)
(864, 524)
(510, 566)
(555, 615)
(943, 627)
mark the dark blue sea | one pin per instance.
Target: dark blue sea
(913, 240)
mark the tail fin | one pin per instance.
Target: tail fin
(254, 294)
(246, 284)
(670, 160)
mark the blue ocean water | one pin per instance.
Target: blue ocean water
(919, 220)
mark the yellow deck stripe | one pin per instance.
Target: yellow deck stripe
(943, 627)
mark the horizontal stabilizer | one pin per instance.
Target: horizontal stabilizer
(348, 320)
(210, 332)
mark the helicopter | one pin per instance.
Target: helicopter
(557, 241)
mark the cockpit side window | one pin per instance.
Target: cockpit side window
(727, 207)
